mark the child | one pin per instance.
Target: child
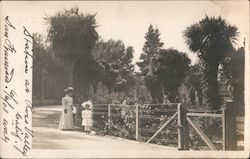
(87, 121)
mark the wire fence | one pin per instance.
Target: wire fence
(136, 122)
(205, 130)
(212, 128)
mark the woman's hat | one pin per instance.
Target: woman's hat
(69, 89)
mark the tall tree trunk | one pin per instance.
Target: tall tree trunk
(70, 70)
(109, 90)
(200, 98)
(213, 95)
(86, 89)
(94, 84)
(192, 96)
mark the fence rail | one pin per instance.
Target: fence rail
(205, 114)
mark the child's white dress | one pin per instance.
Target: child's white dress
(87, 118)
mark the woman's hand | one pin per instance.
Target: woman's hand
(65, 111)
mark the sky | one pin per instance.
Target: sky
(129, 20)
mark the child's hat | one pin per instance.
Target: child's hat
(69, 89)
(87, 103)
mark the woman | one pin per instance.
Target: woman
(66, 121)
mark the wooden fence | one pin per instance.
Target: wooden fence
(176, 111)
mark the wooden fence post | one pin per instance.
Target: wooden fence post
(229, 127)
(183, 131)
(186, 129)
(137, 123)
(109, 117)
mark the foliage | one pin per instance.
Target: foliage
(150, 49)
(212, 39)
(238, 74)
(171, 67)
(48, 73)
(143, 96)
(232, 78)
(72, 36)
(116, 62)
(195, 83)
(153, 85)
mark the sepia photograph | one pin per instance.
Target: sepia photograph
(122, 76)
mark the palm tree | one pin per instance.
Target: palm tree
(212, 39)
(72, 35)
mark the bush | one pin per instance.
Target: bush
(46, 102)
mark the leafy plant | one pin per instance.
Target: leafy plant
(212, 39)
(170, 68)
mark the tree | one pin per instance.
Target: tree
(237, 70)
(150, 49)
(116, 61)
(194, 83)
(72, 36)
(126, 72)
(171, 68)
(212, 39)
(232, 78)
(48, 73)
(154, 87)
(40, 55)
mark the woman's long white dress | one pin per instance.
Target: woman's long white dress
(66, 121)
